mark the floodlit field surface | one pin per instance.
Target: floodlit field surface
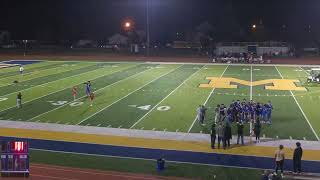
(160, 97)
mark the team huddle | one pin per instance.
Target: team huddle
(244, 111)
(238, 111)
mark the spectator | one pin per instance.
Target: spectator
(279, 157)
(216, 111)
(257, 130)
(203, 110)
(220, 132)
(297, 155)
(213, 135)
(19, 100)
(227, 135)
(240, 132)
(265, 175)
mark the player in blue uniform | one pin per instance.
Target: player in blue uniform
(269, 112)
(88, 88)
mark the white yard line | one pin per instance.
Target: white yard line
(50, 81)
(165, 97)
(304, 70)
(195, 119)
(251, 84)
(127, 95)
(300, 108)
(60, 89)
(94, 92)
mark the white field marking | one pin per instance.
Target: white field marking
(88, 124)
(165, 130)
(155, 106)
(142, 128)
(256, 69)
(305, 71)
(177, 130)
(127, 95)
(192, 63)
(99, 125)
(251, 89)
(47, 83)
(109, 126)
(60, 89)
(120, 126)
(205, 102)
(67, 123)
(304, 138)
(58, 122)
(200, 132)
(153, 129)
(290, 137)
(277, 137)
(38, 120)
(300, 109)
(86, 96)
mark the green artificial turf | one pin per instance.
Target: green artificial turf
(161, 97)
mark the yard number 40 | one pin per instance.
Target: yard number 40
(148, 107)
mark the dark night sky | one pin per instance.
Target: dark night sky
(98, 19)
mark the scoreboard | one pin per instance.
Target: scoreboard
(14, 158)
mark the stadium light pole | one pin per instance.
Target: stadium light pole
(148, 30)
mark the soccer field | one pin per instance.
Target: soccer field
(159, 97)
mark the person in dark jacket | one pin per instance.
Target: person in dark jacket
(213, 135)
(257, 130)
(220, 132)
(240, 132)
(297, 155)
(227, 135)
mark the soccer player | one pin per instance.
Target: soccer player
(74, 92)
(88, 88)
(19, 100)
(21, 69)
(91, 97)
(269, 112)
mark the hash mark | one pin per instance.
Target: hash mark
(99, 125)
(120, 126)
(88, 124)
(142, 128)
(109, 125)
(153, 129)
(304, 138)
(165, 130)
(67, 123)
(177, 130)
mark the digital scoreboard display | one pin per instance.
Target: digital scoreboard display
(14, 158)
